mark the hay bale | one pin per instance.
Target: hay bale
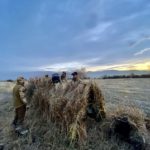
(68, 105)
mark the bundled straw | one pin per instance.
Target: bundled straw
(66, 104)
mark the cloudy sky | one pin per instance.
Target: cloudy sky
(69, 34)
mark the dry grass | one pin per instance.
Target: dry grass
(58, 113)
(66, 105)
(57, 120)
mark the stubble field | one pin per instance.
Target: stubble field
(117, 93)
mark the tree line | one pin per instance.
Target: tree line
(126, 76)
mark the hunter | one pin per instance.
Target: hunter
(64, 76)
(75, 77)
(19, 102)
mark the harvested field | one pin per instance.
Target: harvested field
(128, 92)
(44, 134)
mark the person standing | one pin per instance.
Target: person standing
(76, 77)
(19, 102)
(64, 77)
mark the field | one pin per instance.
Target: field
(129, 92)
(117, 93)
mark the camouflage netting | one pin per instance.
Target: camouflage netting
(68, 105)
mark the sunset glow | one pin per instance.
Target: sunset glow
(123, 67)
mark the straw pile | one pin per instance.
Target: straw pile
(66, 105)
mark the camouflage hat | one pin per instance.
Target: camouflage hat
(20, 79)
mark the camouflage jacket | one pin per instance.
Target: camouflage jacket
(19, 96)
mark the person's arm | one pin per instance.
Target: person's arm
(22, 95)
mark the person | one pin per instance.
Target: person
(46, 79)
(75, 77)
(76, 81)
(63, 76)
(56, 78)
(19, 102)
(46, 76)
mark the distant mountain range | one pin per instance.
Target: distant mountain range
(96, 74)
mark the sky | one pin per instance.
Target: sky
(56, 35)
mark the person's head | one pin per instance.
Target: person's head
(20, 80)
(64, 73)
(46, 76)
(75, 76)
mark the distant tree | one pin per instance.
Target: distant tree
(9, 80)
(127, 76)
(105, 77)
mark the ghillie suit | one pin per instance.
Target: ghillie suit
(36, 83)
(68, 105)
(126, 130)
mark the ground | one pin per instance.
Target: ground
(127, 92)
(117, 92)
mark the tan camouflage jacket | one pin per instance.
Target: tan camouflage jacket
(19, 96)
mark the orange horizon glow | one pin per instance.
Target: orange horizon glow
(144, 66)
